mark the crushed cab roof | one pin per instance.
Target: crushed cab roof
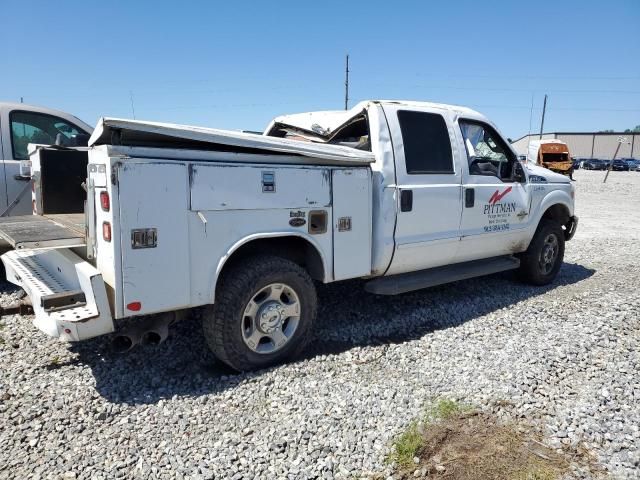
(136, 133)
(322, 124)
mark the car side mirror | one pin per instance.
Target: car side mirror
(518, 173)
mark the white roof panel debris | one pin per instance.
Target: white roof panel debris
(136, 133)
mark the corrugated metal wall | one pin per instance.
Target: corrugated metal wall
(590, 145)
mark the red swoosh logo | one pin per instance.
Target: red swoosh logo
(497, 196)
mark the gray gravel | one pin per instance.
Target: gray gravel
(565, 358)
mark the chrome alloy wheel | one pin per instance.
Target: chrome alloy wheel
(271, 318)
(549, 253)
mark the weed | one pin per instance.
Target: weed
(407, 446)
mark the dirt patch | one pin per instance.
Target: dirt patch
(465, 444)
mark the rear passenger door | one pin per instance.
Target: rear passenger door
(428, 190)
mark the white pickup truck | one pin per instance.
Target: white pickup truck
(404, 194)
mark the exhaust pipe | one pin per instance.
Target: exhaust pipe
(152, 330)
(124, 343)
(159, 331)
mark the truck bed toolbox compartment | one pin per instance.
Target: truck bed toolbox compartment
(68, 294)
(36, 231)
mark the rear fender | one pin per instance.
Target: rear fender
(326, 259)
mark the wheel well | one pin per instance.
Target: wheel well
(558, 213)
(295, 249)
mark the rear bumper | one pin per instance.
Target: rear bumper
(68, 294)
(571, 226)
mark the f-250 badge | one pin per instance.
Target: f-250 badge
(297, 218)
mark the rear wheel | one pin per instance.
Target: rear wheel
(540, 264)
(264, 311)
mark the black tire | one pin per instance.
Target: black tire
(224, 323)
(536, 266)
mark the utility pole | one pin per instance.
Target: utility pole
(621, 140)
(346, 84)
(544, 110)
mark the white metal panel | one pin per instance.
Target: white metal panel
(383, 181)
(135, 132)
(233, 187)
(215, 235)
(108, 259)
(154, 194)
(352, 206)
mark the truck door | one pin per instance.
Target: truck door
(20, 129)
(496, 208)
(428, 190)
(4, 137)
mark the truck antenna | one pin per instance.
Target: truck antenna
(544, 110)
(346, 84)
(133, 110)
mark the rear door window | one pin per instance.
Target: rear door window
(427, 147)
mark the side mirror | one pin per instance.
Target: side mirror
(518, 173)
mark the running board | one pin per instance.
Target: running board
(408, 282)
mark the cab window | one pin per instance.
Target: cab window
(31, 127)
(427, 147)
(486, 151)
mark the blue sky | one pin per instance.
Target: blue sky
(238, 64)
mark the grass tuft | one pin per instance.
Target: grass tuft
(456, 442)
(407, 446)
(444, 409)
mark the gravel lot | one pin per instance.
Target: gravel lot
(564, 357)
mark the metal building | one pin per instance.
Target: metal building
(589, 144)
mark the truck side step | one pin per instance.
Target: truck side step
(408, 282)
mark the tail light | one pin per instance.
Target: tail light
(105, 203)
(106, 231)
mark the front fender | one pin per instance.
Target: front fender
(554, 197)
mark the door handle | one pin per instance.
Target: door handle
(406, 200)
(469, 197)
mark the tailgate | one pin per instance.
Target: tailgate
(37, 231)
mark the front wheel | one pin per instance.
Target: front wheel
(540, 264)
(264, 311)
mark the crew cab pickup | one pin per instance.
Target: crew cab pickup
(406, 195)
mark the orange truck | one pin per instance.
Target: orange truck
(551, 154)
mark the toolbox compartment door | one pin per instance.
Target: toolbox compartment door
(154, 196)
(235, 187)
(352, 223)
